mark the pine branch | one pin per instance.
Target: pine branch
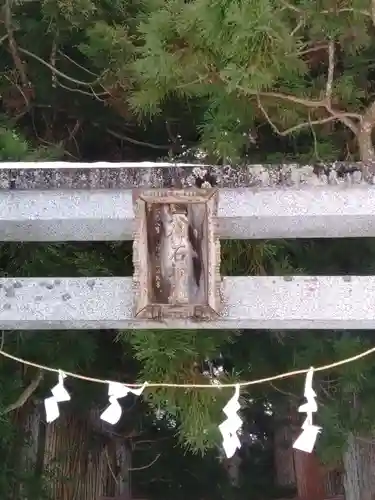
(326, 103)
(295, 127)
(25, 395)
(308, 103)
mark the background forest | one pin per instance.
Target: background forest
(222, 81)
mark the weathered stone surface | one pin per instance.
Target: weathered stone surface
(331, 211)
(176, 254)
(63, 175)
(66, 215)
(301, 302)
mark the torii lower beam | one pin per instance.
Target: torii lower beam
(281, 303)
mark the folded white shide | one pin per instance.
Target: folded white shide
(306, 440)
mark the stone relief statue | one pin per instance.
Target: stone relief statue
(176, 255)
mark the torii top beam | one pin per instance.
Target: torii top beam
(128, 175)
(62, 201)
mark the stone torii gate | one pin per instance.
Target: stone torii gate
(177, 214)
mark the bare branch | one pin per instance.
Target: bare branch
(314, 48)
(347, 9)
(60, 144)
(285, 393)
(327, 394)
(136, 444)
(331, 70)
(3, 38)
(25, 395)
(72, 133)
(369, 116)
(295, 127)
(135, 141)
(12, 44)
(20, 90)
(145, 466)
(290, 6)
(53, 62)
(316, 151)
(335, 11)
(344, 118)
(309, 103)
(84, 92)
(57, 71)
(77, 64)
(300, 24)
(109, 465)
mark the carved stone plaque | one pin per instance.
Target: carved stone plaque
(176, 254)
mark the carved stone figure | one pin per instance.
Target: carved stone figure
(176, 254)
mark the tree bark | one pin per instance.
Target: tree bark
(27, 419)
(82, 467)
(364, 135)
(284, 454)
(309, 476)
(359, 463)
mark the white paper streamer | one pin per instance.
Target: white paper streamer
(113, 413)
(59, 395)
(307, 439)
(231, 425)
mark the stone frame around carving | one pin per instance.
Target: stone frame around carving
(144, 307)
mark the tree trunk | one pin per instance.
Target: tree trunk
(81, 460)
(309, 476)
(364, 135)
(27, 420)
(84, 463)
(359, 464)
(283, 454)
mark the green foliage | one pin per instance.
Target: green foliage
(13, 147)
(257, 56)
(104, 39)
(176, 356)
(220, 80)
